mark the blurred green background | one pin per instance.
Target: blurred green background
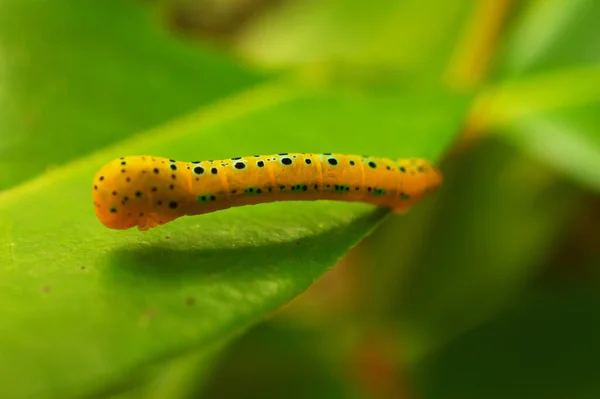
(489, 289)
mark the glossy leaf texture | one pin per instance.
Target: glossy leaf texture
(82, 305)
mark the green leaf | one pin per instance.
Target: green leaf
(77, 76)
(548, 93)
(552, 35)
(357, 33)
(553, 118)
(83, 305)
(568, 140)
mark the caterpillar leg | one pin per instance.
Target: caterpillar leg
(144, 227)
(147, 223)
(401, 210)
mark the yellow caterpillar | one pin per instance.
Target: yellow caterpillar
(147, 191)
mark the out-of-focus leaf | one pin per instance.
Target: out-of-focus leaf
(555, 120)
(545, 346)
(358, 32)
(552, 35)
(275, 360)
(569, 140)
(177, 378)
(104, 302)
(76, 76)
(457, 262)
(548, 94)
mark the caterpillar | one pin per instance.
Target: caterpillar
(147, 191)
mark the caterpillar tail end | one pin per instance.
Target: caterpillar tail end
(417, 186)
(436, 179)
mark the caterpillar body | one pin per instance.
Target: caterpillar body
(147, 191)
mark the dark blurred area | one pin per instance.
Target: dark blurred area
(217, 20)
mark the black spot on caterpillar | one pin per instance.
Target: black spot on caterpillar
(199, 186)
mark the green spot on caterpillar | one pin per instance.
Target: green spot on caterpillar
(299, 188)
(379, 192)
(341, 188)
(205, 198)
(172, 189)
